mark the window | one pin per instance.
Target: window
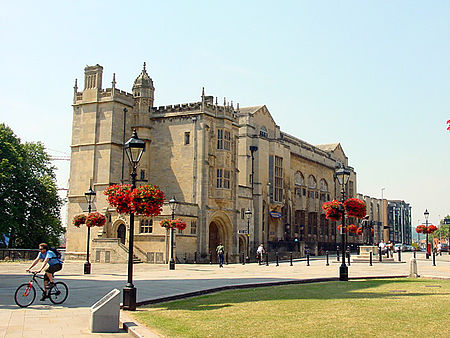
(278, 197)
(350, 193)
(242, 213)
(312, 183)
(323, 185)
(146, 226)
(298, 178)
(223, 139)
(187, 136)
(193, 227)
(223, 178)
(142, 175)
(263, 132)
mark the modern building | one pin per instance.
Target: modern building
(217, 160)
(399, 222)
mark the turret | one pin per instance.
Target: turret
(143, 91)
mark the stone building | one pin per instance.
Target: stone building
(376, 211)
(217, 160)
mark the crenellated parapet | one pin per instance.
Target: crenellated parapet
(212, 109)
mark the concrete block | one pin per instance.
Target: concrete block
(413, 268)
(105, 313)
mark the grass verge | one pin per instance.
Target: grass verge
(394, 307)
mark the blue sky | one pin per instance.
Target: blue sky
(372, 75)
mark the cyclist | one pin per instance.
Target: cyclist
(54, 265)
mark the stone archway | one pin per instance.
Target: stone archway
(121, 233)
(220, 232)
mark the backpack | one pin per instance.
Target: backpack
(56, 252)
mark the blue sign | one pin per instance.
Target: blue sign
(275, 214)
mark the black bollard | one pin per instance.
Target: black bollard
(291, 259)
(307, 257)
(210, 257)
(267, 258)
(243, 259)
(370, 258)
(328, 262)
(337, 254)
(226, 258)
(276, 254)
(414, 253)
(185, 257)
(434, 258)
(195, 257)
(380, 255)
(399, 255)
(348, 257)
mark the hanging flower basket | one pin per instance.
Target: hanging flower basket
(345, 228)
(147, 200)
(172, 224)
(431, 228)
(421, 229)
(95, 219)
(352, 228)
(333, 210)
(359, 231)
(79, 219)
(354, 207)
(118, 196)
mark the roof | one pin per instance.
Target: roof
(249, 110)
(327, 147)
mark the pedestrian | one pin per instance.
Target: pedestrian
(390, 249)
(54, 265)
(439, 249)
(382, 247)
(260, 252)
(220, 252)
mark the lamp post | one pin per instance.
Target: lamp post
(134, 149)
(248, 213)
(343, 175)
(173, 205)
(426, 214)
(90, 196)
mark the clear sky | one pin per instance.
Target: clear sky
(372, 75)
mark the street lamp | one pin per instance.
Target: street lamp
(248, 213)
(343, 175)
(426, 214)
(134, 149)
(173, 205)
(90, 196)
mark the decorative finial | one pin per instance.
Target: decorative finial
(76, 85)
(231, 103)
(237, 108)
(216, 100)
(144, 67)
(224, 101)
(114, 80)
(203, 91)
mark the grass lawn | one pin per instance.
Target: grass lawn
(363, 308)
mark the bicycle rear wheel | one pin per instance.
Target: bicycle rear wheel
(58, 293)
(25, 295)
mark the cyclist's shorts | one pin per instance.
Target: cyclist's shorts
(52, 269)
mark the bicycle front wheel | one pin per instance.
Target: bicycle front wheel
(59, 293)
(25, 295)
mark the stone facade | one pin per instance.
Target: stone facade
(217, 160)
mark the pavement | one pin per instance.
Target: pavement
(155, 282)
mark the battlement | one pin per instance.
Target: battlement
(106, 94)
(216, 110)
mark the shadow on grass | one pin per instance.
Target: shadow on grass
(318, 291)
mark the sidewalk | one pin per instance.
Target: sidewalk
(156, 281)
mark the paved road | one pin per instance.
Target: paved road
(156, 281)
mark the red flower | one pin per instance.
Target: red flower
(118, 196)
(172, 224)
(345, 228)
(95, 219)
(79, 219)
(359, 231)
(421, 229)
(354, 207)
(333, 210)
(147, 200)
(352, 228)
(431, 229)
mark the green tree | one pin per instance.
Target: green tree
(444, 229)
(30, 203)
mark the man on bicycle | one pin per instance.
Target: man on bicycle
(54, 265)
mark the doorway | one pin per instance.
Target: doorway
(121, 231)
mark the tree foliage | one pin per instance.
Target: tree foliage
(29, 198)
(444, 229)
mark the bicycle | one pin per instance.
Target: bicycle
(26, 292)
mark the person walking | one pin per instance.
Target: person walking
(382, 247)
(390, 249)
(220, 253)
(260, 252)
(54, 265)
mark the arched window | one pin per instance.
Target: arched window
(323, 185)
(312, 183)
(263, 132)
(299, 179)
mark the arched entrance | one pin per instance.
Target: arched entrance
(220, 232)
(121, 231)
(242, 246)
